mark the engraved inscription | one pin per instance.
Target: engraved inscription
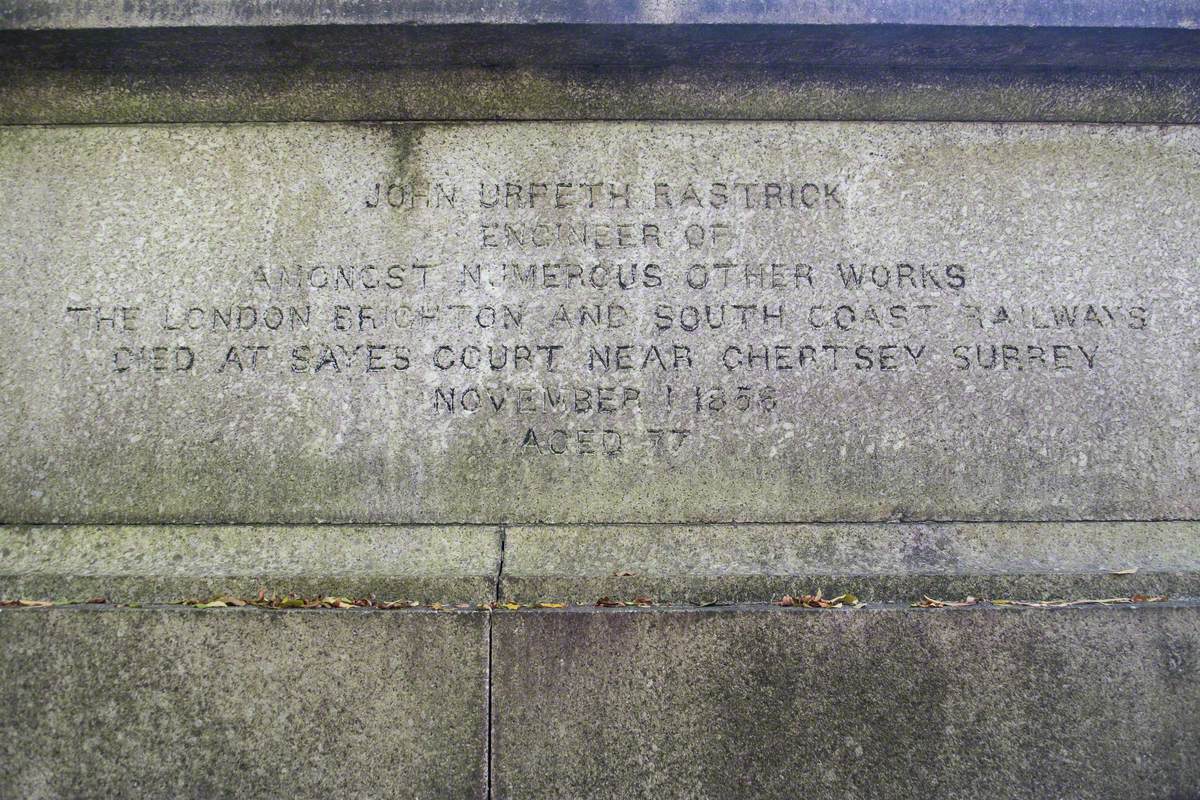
(609, 322)
(613, 331)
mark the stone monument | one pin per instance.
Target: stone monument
(663, 399)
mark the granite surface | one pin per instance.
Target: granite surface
(42, 82)
(1092, 704)
(165, 564)
(599, 323)
(486, 71)
(577, 565)
(749, 701)
(948, 359)
(242, 703)
(888, 563)
(990, 13)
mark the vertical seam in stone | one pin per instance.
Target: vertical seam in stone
(487, 764)
(490, 719)
(500, 563)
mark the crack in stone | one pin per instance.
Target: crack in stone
(487, 769)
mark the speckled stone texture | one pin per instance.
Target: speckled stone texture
(682, 91)
(1091, 704)
(106, 61)
(236, 703)
(877, 563)
(1147, 14)
(705, 362)
(157, 564)
(693, 322)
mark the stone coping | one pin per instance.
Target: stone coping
(31, 95)
(876, 562)
(147, 564)
(106, 61)
(986, 13)
(578, 565)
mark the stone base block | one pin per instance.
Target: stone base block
(180, 703)
(744, 701)
(767, 702)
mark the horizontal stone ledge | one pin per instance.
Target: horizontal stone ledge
(818, 603)
(578, 565)
(875, 562)
(610, 71)
(781, 62)
(1092, 704)
(164, 564)
(674, 92)
(165, 13)
(373, 48)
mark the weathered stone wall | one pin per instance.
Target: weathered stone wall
(177, 703)
(610, 322)
(893, 703)
(345, 300)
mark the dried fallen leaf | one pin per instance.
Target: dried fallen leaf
(35, 603)
(551, 605)
(818, 600)
(929, 602)
(393, 604)
(608, 602)
(1130, 571)
(815, 600)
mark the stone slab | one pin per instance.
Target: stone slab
(489, 71)
(156, 13)
(323, 49)
(237, 703)
(1094, 704)
(269, 323)
(877, 563)
(676, 92)
(157, 564)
